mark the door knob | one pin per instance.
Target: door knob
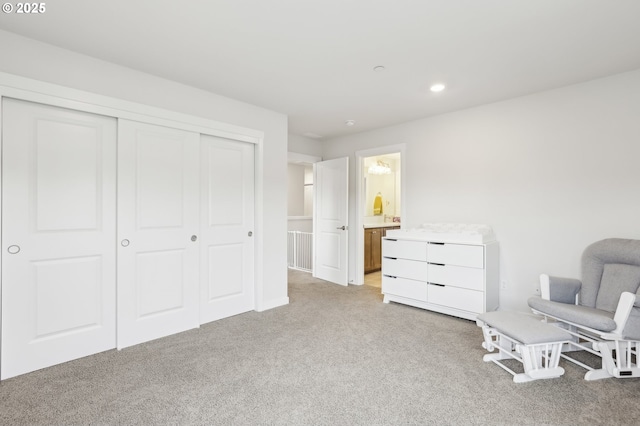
(342, 227)
(124, 243)
(194, 237)
(250, 233)
(13, 249)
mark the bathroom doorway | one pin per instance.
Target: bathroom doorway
(380, 204)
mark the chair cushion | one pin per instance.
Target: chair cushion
(596, 256)
(564, 290)
(578, 314)
(616, 279)
(632, 328)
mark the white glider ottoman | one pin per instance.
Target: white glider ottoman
(524, 337)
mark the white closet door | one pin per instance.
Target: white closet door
(158, 222)
(227, 220)
(58, 235)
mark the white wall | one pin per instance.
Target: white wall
(550, 172)
(311, 149)
(295, 184)
(308, 190)
(303, 145)
(301, 224)
(36, 60)
(300, 200)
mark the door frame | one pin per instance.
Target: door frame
(303, 160)
(358, 279)
(26, 89)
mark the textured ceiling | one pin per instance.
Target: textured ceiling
(314, 60)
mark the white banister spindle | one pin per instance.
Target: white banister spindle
(300, 250)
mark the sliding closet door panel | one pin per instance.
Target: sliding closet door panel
(58, 236)
(158, 223)
(227, 257)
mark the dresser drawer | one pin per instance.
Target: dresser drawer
(456, 254)
(413, 250)
(403, 268)
(411, 289)
(454, 297)
(457, 276)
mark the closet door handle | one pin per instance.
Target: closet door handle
(342, 227)
(124, 243)
(194, 238)
(14, 249)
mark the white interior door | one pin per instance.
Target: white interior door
(58, 235)
(331, 215)
(158, 221)
(227, 218)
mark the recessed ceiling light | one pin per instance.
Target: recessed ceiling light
(438, 87)
(350, 123)
(379, 68)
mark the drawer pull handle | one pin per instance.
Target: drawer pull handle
(390, 239)
(437, 264)
(439, 285)
(392, 258)
(391, 276)
(440, 244)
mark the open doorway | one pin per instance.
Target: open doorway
(380, 204)
(300, 212)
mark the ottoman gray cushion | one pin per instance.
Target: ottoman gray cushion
(525, 328)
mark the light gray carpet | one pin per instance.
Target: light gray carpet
(334, 356)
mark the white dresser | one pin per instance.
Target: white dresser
(455, 274)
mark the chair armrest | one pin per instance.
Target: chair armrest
(623, 311)
(556, 289)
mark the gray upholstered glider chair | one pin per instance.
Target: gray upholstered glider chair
(601, 311)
